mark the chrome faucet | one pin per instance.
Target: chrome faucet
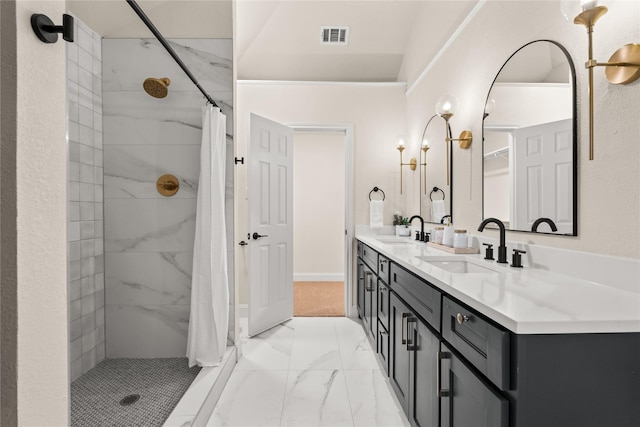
(502, 249)
(422, 235)
(537, 222)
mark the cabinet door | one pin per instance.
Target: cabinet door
(423, 403)
(383, 347)
(399, 314)
(383, 304)
(370, 319)
(468, 400)
(360, 288)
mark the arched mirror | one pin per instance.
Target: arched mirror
(436, 186)
(530, 142)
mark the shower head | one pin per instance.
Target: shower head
(158, 88)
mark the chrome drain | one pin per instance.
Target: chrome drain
(130, 400)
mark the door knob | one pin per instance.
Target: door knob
(256, 236)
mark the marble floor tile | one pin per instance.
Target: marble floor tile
(332, 378)
(355, 349)
(251, 398)
(270, 350)
(371, 399)
(316, 398)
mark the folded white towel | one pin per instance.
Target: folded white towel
(376, 213)
(437, 210)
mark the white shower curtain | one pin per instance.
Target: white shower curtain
(209, 317)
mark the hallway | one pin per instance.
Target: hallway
(307, 372)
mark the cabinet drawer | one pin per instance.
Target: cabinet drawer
(370, 257)
(383, 346)
(383, 268)
(420, 295)
(383, 304)
(482, 343)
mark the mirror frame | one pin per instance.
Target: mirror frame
(574, 123)
(421, 189)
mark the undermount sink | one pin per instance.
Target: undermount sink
(457, 265)
(394, 241)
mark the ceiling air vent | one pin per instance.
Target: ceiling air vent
(334, 35)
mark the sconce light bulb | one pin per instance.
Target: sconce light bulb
(489, 107)
(401, 142)
(588, 4)
(425, 143)
(446, 104)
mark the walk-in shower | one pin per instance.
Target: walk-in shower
(130, 247)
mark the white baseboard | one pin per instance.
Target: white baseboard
(306, 277)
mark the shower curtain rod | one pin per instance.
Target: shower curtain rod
(169, 49)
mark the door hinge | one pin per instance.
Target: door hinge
(239, 160)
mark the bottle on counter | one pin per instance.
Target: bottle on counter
(438, 234)
(460, 239)
(447, 235)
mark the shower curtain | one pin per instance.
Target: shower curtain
(209, 317)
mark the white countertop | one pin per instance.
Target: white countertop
(525, 301)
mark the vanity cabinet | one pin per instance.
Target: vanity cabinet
(467, 399)
(452, 366)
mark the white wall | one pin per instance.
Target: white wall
(467, 69)
(377, 112)
(318, 206)
(34, 233)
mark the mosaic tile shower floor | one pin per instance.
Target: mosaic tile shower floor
(96, 395)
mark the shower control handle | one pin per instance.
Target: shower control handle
(256, 236)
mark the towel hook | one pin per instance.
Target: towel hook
(376, 189)
(435, 190)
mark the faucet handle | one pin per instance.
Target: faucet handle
(489, 251)
(516, 260)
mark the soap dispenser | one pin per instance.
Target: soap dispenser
(447, 236)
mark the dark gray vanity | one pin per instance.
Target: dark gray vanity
(451, 365)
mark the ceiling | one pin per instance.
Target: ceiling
(280, 40)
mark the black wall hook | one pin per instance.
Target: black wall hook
(47, 32)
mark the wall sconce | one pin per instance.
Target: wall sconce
(47, 32)
(446, 107)
(623, 66)
(424, 148)
(413, 163)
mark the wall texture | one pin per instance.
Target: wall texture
(85, 194)
(149, 237)
(609, 186)
(34, 234)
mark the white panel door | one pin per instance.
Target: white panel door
(270, 204)
(543, 178)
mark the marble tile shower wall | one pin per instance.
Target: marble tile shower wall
(149, 237)
(85, 199)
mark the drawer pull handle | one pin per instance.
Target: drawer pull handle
(383, 261)
(461, 318)
(439, 392)
(404, 327)
(411, 346)
(368, 281)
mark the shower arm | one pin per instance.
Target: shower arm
(169, 49)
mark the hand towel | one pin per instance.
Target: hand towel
(437, 210)
(376, 210)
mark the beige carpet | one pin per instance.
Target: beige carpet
(315, 299)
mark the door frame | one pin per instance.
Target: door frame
(347, 128)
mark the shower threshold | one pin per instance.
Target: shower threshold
(197, 404)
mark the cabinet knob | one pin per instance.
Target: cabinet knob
(461, 318)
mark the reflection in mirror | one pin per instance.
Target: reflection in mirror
(529, 141)
(435, 188)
